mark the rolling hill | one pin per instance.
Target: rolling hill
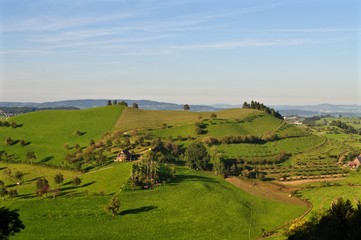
(193, 205)
(46, 132)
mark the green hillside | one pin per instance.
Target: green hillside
(195, 206)
(133, 118)
(46, 132)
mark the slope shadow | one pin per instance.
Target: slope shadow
(46, 159)
(138, 210)
(76, 187)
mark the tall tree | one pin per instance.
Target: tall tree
(19, 176)
(109, 103)
(10, 223)
(9, 141)
(135, 105)
(186, 107)
(197, 157)
(30, 156)
(42, 186)
(113, 206)
(59, 179)
(76, 181)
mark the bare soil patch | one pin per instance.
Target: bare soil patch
(299, 182)
(269, 190)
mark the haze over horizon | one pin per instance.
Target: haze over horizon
(196, 52)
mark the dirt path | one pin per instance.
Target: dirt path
(299, 182)
(269, 190)
(273, 191)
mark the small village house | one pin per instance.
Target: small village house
(123, 155)
(355, 163)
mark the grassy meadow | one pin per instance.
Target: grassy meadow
(196, 205)
(46, 132)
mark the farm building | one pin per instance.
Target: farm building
(355, 163)
(123, 155)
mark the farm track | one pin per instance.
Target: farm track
(272, 191)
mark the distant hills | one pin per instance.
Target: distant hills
(286, 110)
(321, 109)
(90, 103)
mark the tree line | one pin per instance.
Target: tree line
(345, 127)
(122, 103)
(341, 221)
(262, 107)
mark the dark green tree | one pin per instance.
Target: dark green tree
(19, 176)
(135, 105)
(76, 181)
(341, 221)
(115, 102)
(186, 107)
(113, 206)
(10, 223)
(59, 179)
(3, 191)
(13, 193)
(30, 156)
(123, 103)
(9, 141)
(197, 157)
(109, 103)
(42, 186)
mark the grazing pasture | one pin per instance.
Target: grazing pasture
(46, 132)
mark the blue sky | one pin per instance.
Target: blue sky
(196, 51)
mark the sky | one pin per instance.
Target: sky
(195, 51)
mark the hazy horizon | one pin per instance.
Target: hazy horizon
(180, 103)
(196, 52)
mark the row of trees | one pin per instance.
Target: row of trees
(262, 107)
(43, 186)
(7, 124)
(345, 127)
(11, 142)
(233, 139)
(122, 103)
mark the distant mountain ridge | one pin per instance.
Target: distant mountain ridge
(286, 110)
(90, 103)
(320, 109)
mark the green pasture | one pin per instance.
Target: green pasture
(133, 118)
(322, 197)
(289, 145)
(196, 205)
(352, 121)
(46, 132)
(106, 180)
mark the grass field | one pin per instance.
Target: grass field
(289, 145)
(108, 179)
(196, 205)
(46, 132)
(133, 118)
